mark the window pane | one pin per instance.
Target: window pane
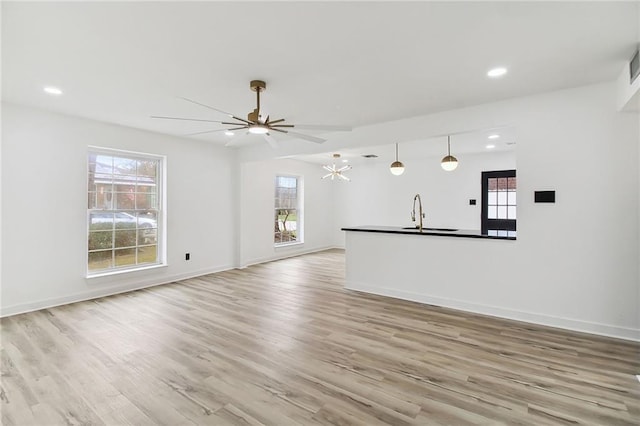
(100, 240)
(125, 220)
(100, 260)
(511, 212)
(147, 220)
(147, 168)
(147, 236)
(502, 198)
(492, 213)
(124, 166)
(502, 212)
(125, 200)
(511, 198)
(148, 254)
(125, 257)
(100, 221)
(125, 238)
(145, 201)
(103, 164)
(493, 198)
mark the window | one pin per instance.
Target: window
(124, 211)
(288, 221)
(499, 203)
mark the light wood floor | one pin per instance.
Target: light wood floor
(283, 343)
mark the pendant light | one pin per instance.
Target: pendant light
(397, 168)
(449, 163)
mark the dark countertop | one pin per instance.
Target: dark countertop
(464, 233)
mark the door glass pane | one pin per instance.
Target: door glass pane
(492, 184)
(511, 212)
(492, 213)
(502, 198)
(502, 212)
(493, 198)
(511, 198)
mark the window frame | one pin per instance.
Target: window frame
(507, 225)
(299, 210)
(161, 220)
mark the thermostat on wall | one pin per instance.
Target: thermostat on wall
(545, 196)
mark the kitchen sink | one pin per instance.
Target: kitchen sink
(432, 229)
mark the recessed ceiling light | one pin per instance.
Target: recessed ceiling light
(494, 136)
(345, 161)
(229, 133)
(490, 146)
(497, 72)
(52, 90)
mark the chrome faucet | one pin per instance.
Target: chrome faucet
(420, 212)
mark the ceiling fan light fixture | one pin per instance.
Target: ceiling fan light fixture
(396, 168)
(258, 129)
(449, 163)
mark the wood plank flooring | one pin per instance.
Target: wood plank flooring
(283, 343)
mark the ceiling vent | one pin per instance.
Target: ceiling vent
(369, 156)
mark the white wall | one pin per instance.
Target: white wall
(575, 261)
(257, 210)
(376, 197)
(44, 200)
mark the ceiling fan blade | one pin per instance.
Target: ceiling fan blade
(322, 127)
(306, 137)
(206, 131)
(282, 125)
(186, 119)
(215, 109)
(206, 106)
(276, 121)
(234, 124)
(271, 140)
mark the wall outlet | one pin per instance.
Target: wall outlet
(472, 202)
(187, 256)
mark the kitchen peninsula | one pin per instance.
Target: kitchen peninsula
(459, 269)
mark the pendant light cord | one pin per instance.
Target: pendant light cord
(396, 152)
(448, 145)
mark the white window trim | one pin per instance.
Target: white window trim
(162, 222)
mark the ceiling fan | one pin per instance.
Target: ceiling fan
(256, 123)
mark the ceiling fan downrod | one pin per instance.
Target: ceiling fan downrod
(257, 86)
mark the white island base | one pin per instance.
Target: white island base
(471, 274)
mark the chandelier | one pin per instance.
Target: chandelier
(335, 172)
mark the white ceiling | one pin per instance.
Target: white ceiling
(339, 63)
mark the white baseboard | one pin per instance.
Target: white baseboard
(284, 253)
(534, 318)
(104, 291)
